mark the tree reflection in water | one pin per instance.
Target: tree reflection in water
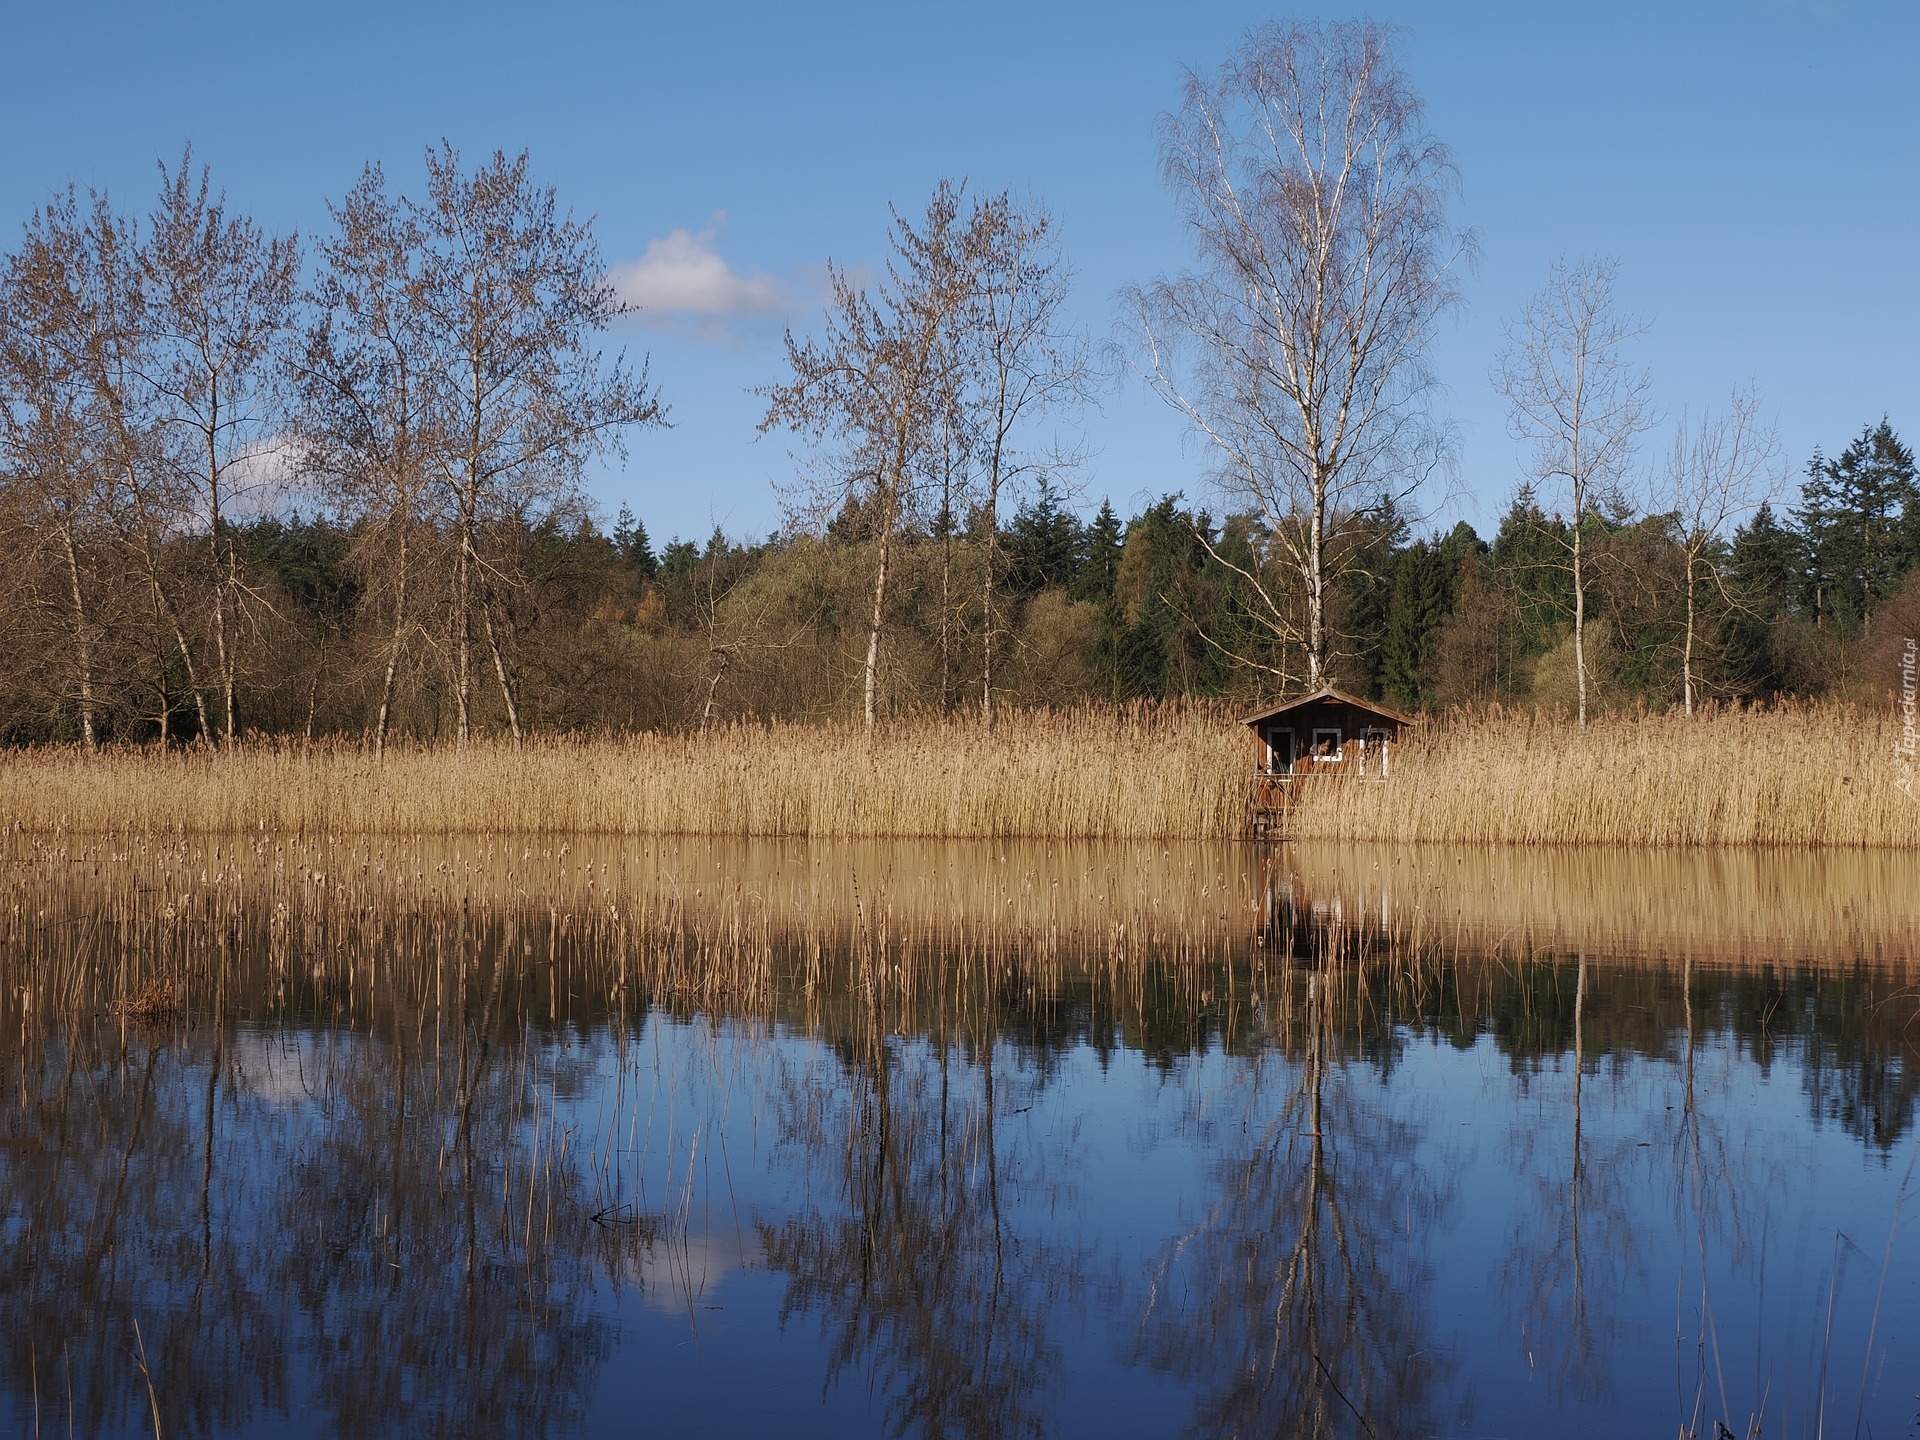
(119, 1195)
(1723, 1212)
(433, 1241)
(909, 1258)
(1572, 1253)
(419, 1262)
(1298, 1304)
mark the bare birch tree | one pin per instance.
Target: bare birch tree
(105, 338)
(152, 509)
(511, 293)
(1718, 470)
(220, 298)
(1025, 365)
(1315, 198)
(1580, 405)
(881, 386)
(365, 375)
(55, 444)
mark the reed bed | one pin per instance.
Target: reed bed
(1817, 775)
(1808, 776)
(1162, 772)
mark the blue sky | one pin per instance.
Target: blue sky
(1754, 165)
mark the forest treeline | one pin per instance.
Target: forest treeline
(335, 486)
(610, 631)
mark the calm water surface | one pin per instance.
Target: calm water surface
(589, 1138)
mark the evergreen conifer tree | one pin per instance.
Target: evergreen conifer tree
(1373, 542)
(1764, 566)
(1528, 560)
(630, 539)
(1860, 515)
(1042, 545)
(1422, 599)
(1099, 556)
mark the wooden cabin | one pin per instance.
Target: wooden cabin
(1326, 733)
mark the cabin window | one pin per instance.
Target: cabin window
(1326, 744)
(1280, 752)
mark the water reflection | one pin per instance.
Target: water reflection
(394, 1246)
(1298, 1304)
(338, 1138)
(1622, 904)
(1572, 1252)
(910, 1268)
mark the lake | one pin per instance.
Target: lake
(592, 1137)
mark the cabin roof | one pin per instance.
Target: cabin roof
(1338, 697)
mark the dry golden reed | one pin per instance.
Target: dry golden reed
(1162, 772)
(1796, 776)
(1814, 775)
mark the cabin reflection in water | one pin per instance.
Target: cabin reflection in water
(1298, 919)
(1321, 735)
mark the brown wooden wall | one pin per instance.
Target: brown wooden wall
(1350, 720)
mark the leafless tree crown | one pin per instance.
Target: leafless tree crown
(1316, 201)
(509, 294)
(1579, 403)
(1721, 467)
(1576, 398)
(879, 392)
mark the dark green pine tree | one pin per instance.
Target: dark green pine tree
(1225, 611)
(630, 539)
(1529, 559)
(310, 560)
(1458, 543)
(1860, 516)
(1765, 563)
(1143, 656)
(1421, 601)
(1366, 575)
(680, 559)
(1042, 545)
(1763, 570)
(1100, 548)
(1139, 633)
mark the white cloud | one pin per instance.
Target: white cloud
(683, 282)
(268, 480)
